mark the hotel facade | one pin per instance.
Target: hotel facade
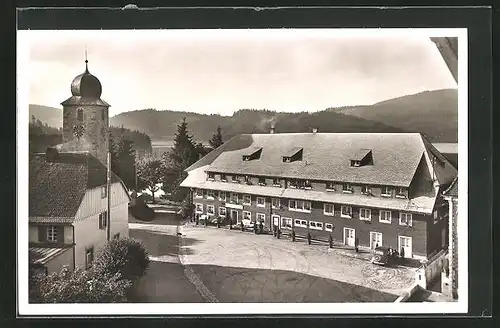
(366, 189)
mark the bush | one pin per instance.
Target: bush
(79, 286)
(126, 256)
(142, 212)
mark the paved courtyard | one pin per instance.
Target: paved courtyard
(207, 264)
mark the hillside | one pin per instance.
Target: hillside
(162, 125)
(49, 115)
(434, 113)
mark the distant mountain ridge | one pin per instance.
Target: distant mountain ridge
(434, 113)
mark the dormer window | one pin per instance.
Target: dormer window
(362, 157)
(262, 181)
(401, 192)
(347, 188)
(366, 190)
(252, 153)
(276, 182)
(248, 180)
(223, 178)
(300, 184)
(235, 179)
(330, 186)
(293, 154)
(386, 191)
(211, 176)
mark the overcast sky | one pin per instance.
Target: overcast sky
(222, 71)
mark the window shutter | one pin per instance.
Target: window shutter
(42, 233)
(60, 234)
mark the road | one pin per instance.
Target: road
(220, 265)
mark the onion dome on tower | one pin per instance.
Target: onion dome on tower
(86, 90)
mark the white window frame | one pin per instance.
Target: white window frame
(401, 192)
(244, 201)
(347, 216)
(349, 189)
(223, 177)
(273, 200)
(89, 251)
(52, 234)
(211, 176)
(259, 215)
(408, 219)
(234, 195)
(329, 229)
(315, 227)
(235, 179)
(210, 194)
(263, 201)
(262, 183)
(332, 213)
(103, 220)
(249, 215)
(104, 191)
(366, 190)
(208, 210)
(197, 193)
(383, 192)
(225, 211)
(278, 184)
(220, 196)
(296, 208)
(300, 224)
(284, 225)
(332, 185)
(365, 218)
(196, 208)
(384, 220)
(435, 216)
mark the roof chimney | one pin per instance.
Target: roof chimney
(315, 130)
(273, 129)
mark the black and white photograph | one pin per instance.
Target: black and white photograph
(242, 171)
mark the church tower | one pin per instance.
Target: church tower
(86, 116)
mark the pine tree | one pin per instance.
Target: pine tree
(216, 140)
(184, 153)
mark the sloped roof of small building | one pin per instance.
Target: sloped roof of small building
(57, 186)
(452, 189)
(326, 156)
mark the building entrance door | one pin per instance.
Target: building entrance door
(276, 220)
(234, 217)
(405, 244)
(349, 236)
(375, 239)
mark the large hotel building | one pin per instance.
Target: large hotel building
(380, 189)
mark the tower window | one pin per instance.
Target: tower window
(79, 114)
(103, 114)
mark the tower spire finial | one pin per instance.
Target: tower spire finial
(86, 61)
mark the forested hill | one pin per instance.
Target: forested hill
(434, 113)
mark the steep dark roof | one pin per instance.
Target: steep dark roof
(326, 156)
(57, 186)
(452, 189)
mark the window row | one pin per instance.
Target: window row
(386, 191)
(365, 214)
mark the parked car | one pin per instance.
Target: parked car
(385, 256)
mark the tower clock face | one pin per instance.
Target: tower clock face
(78, 130)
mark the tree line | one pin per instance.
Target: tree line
(169, 170)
